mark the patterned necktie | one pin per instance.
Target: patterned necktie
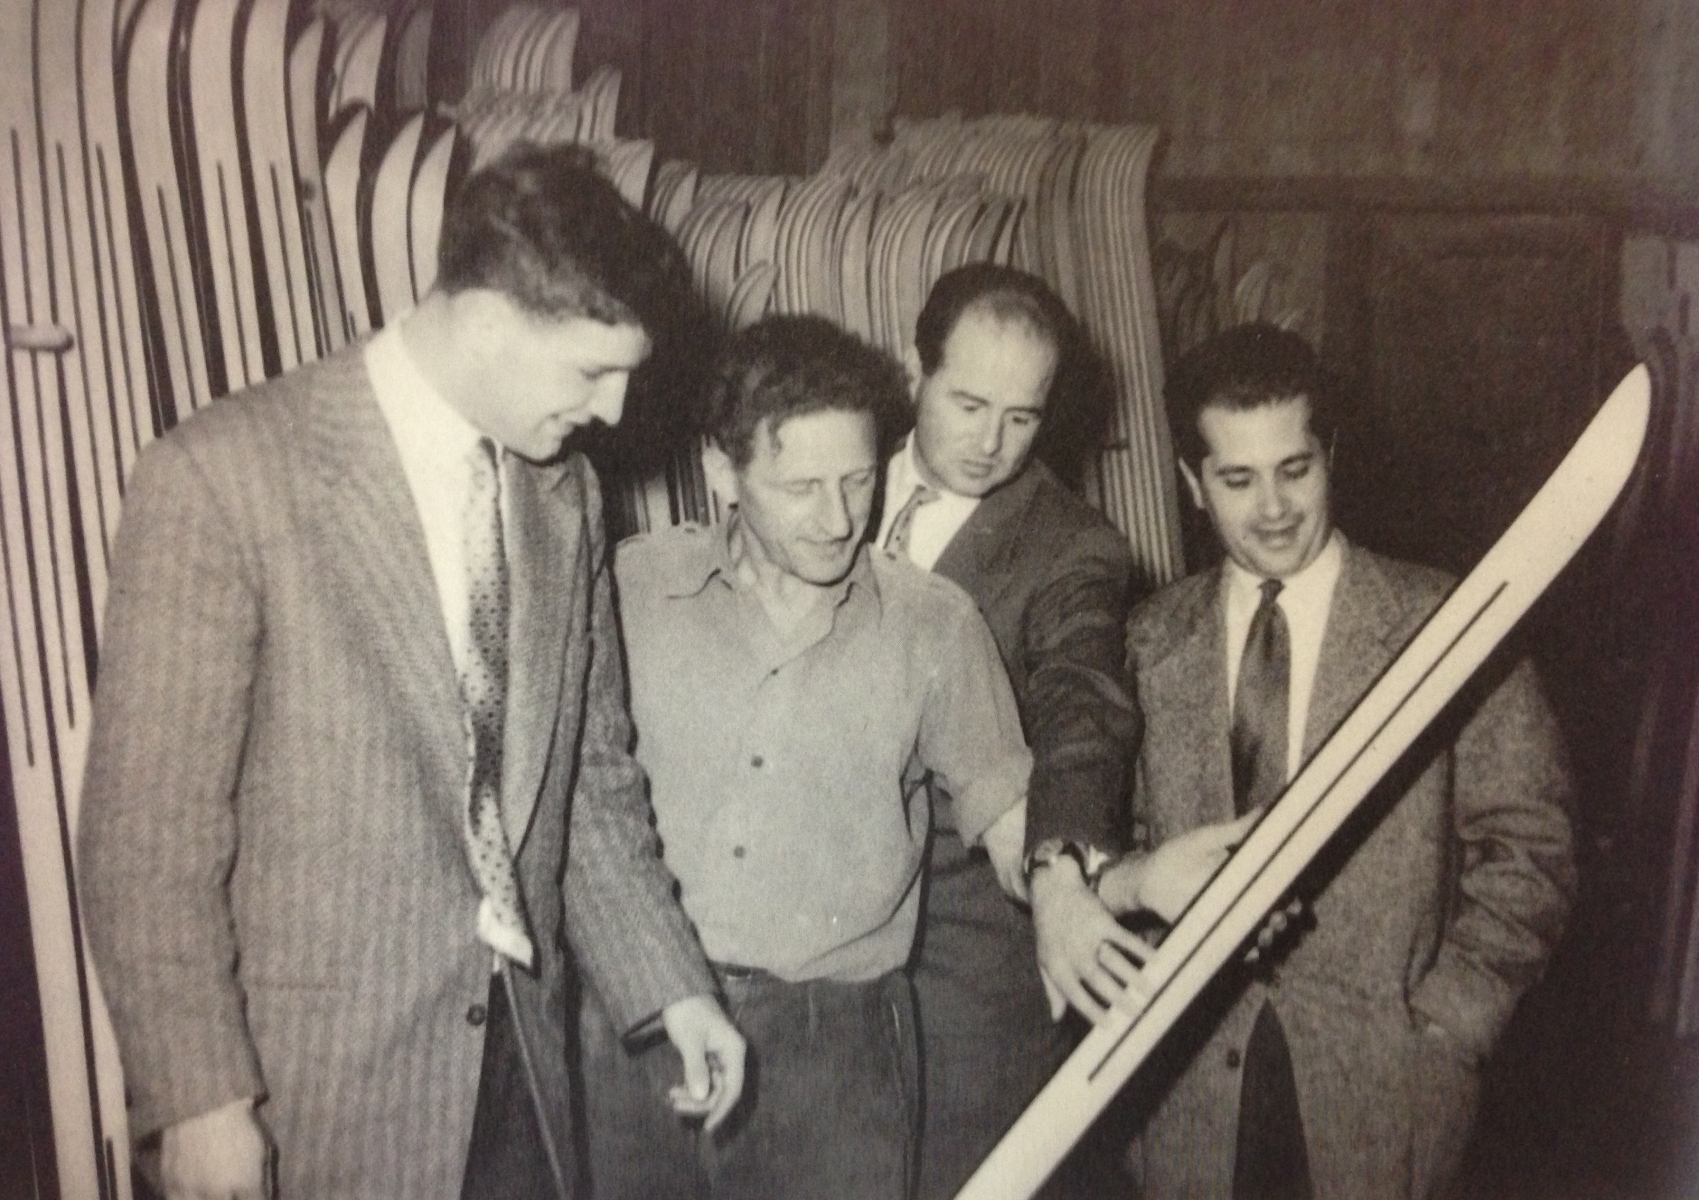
(483, 687)
(1258, 739)
(896, 541)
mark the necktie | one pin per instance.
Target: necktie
(1259, 734)
(1271, 1160)
(896, 541)
(483, 688)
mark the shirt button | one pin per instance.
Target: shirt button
(1233, 1060)
(737, 851)
(757, 762)
(476, 1014)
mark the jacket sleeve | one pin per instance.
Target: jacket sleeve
(1516, 874)
(157, 827)
(622, 916)
(1081, 717)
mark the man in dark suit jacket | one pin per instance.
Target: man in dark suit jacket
(360, 764)
(966, 498)
(1348, 1068)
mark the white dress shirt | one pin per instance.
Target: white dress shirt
(935, 522)
(435, 443)
(1305, 600)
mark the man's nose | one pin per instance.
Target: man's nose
(835, 520)
(608, 404)
(991, 438)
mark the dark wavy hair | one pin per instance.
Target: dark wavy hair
(1242, 368)
(544, 228)
(789, 366)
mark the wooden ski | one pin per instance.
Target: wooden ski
(181, 372)
(54, 447)
(213, 104)
(1412, 690)
(269, 181)
(307, 65)
(391, 187)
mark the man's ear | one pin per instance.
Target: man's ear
(1192, 484)
(721, 475)
(911, 365)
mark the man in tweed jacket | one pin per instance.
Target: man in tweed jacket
(274, 850)
(1348, 1068)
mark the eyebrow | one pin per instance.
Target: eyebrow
(1289, 460)
(1036, 410)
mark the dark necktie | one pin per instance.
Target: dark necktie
(483, 687)
(1259, 735)
(1271, 1160)
(896, 541)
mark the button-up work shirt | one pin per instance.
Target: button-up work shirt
(785, 776)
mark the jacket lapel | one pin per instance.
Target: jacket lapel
(1358, 642)
(985, 538)
(547, 561)
(1189, 684)
(374, 546)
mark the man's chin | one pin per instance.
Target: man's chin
(823, 572)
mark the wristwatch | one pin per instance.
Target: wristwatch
(1092, 861)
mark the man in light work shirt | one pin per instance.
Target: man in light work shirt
(791, 689)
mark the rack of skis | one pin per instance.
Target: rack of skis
(862, 240)
(196, 195)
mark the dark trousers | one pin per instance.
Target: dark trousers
(987, 1043)
(507, 1159)
(828, 1110)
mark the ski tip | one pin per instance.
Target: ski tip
(1634, 396)
(1611, 444)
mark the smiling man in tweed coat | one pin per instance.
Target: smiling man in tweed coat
(308, 832)
(1349, 1068)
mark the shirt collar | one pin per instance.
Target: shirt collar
(903, 476)
(419, 416)
(711, 558)
(1307, 590)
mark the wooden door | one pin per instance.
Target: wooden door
(1478, 357)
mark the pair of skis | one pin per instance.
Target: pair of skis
(1412, 690)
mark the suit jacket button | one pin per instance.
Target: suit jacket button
(1233, 1060)
(476, 1014)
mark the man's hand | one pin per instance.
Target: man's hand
(1167, 879)
(219, 1155)
(1082, 952)
(1005, 842)
(712, 1050)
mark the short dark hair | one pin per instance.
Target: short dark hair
(1082, 391)
(543, 227)
(1003, 292)
(788, 366)
(1242, 368)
